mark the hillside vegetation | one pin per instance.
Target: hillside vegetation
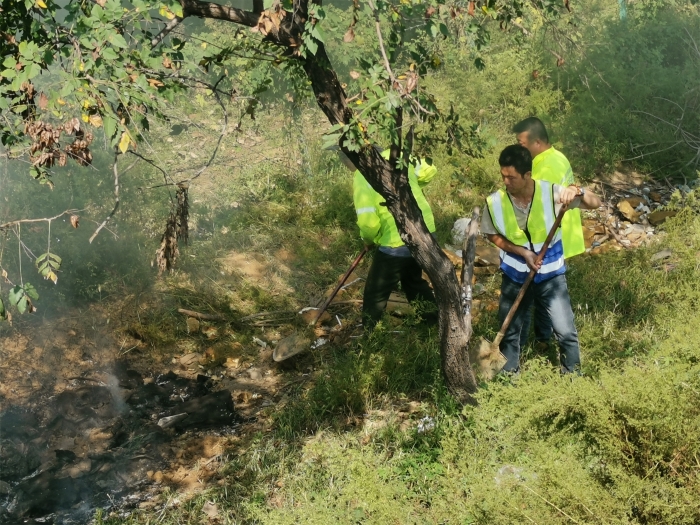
(371, 435)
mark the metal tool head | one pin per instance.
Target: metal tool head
(487, 360)
(290, 346)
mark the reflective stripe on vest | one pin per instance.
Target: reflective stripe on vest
(539, 221)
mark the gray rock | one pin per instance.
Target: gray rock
(459, 231)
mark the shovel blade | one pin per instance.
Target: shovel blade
(488, 360)
(290, 346)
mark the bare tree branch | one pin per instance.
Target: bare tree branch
(8, 225)
(381, 42)
(166, 31)
(219, 12)
(116, 200)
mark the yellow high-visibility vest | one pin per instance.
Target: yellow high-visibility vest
(539, 221)
(551, 165)
(376, 223)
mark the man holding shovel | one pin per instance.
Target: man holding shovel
(551, 165)
(393, 262)
(518, 220)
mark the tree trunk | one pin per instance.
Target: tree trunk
(392, 184)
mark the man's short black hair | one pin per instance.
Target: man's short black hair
(516, 156)
(534, 127)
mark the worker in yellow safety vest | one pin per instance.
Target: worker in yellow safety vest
(551, 165)
(392, 263)
(517, 220)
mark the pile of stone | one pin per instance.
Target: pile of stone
(632, 215)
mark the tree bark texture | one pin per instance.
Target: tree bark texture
(390, 182)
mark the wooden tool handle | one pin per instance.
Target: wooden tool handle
(340, 283)
(530, 276)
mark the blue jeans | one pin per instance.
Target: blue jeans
(550, 297)
(543, 327)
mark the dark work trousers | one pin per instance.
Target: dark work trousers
(384, 274)
(543, 327)
(551, 297)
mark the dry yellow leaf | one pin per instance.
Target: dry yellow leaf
(167, 13)
(41, 4)
(124, 142)
(96, 120)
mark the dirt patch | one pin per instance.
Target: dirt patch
(244, 264)
(95, 443)
(82, 428)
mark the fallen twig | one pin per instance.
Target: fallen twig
(291, 313)
(201, 316)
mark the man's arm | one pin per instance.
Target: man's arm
(505, 245)
(589, 200)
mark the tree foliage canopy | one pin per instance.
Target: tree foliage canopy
(68, 68)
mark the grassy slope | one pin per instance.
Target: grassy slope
(617, 446)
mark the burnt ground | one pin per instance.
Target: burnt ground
(84, 411)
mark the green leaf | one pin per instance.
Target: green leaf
(117, 41)
(33, 70)
(31, 291)
(110, 125)
(109, 54)
(317, 33)
(3, 312)
(16, 293)
(331, 140)
(22, 304)
(311, 45)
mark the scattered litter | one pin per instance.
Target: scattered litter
(318, 343)
(259, 342)
(289, 346)
(189, 359)
(508, 473)
(459, 230)
(307, 309)
(663, 254)
(166, 422)
(254, 374)
(210, 510)
(425, 425)
(351, 283)
(211, 332)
